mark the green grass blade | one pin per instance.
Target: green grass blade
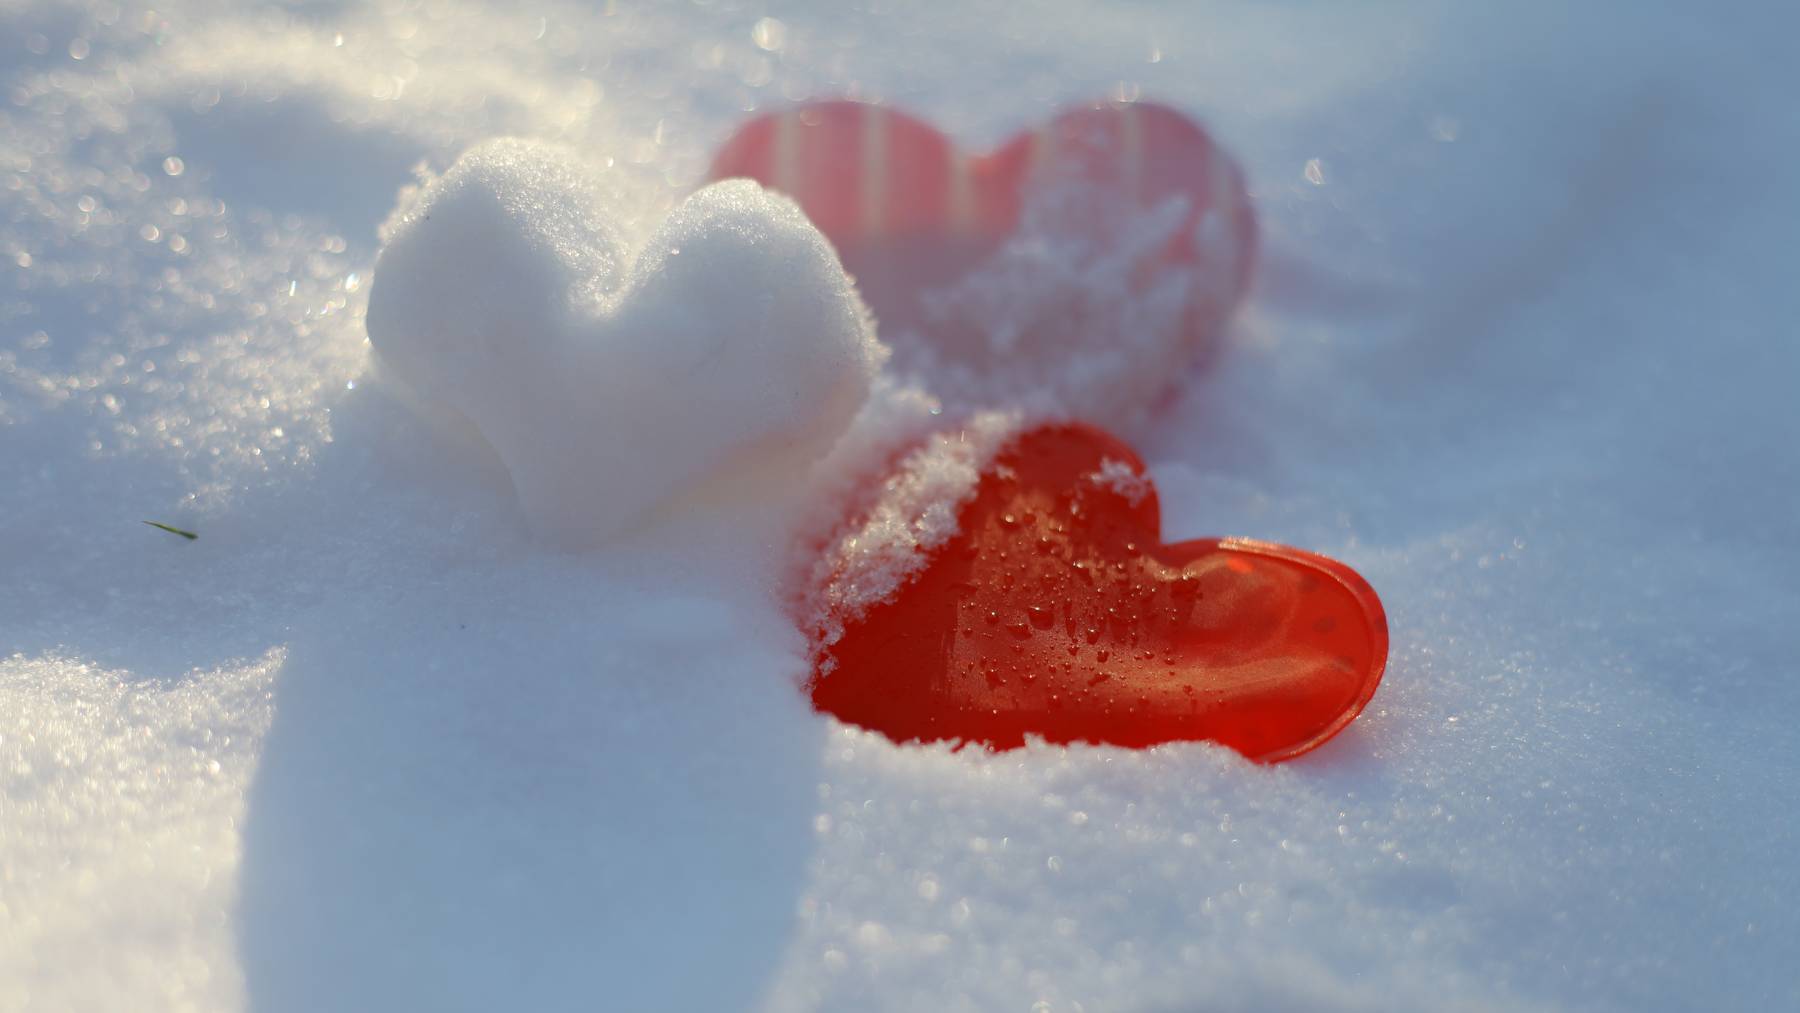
(189, 535)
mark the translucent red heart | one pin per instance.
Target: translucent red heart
(1058, 612)
(909, 213)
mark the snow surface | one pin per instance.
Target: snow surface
(1521, 350)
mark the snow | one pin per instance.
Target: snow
(888, 539)
(1519, 350)
(1056, 322)
(1122, 478)
(732, 351)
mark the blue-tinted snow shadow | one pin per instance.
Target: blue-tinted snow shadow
(289, 156)
(516, 781)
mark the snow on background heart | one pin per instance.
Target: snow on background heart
(1518, 352)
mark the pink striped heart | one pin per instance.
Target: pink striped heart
(1111, 217)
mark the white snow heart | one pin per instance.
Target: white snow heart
(732, 349)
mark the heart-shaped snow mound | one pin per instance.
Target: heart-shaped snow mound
(732, 344)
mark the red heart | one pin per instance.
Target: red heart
(909, 214)
(1056, 611)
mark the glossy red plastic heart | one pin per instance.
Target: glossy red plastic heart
(909, 213)
(1056, 611)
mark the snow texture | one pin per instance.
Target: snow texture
(1074, 316)
(732, 349)
(1520, 351)
(1122, 478)
(912, 511)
